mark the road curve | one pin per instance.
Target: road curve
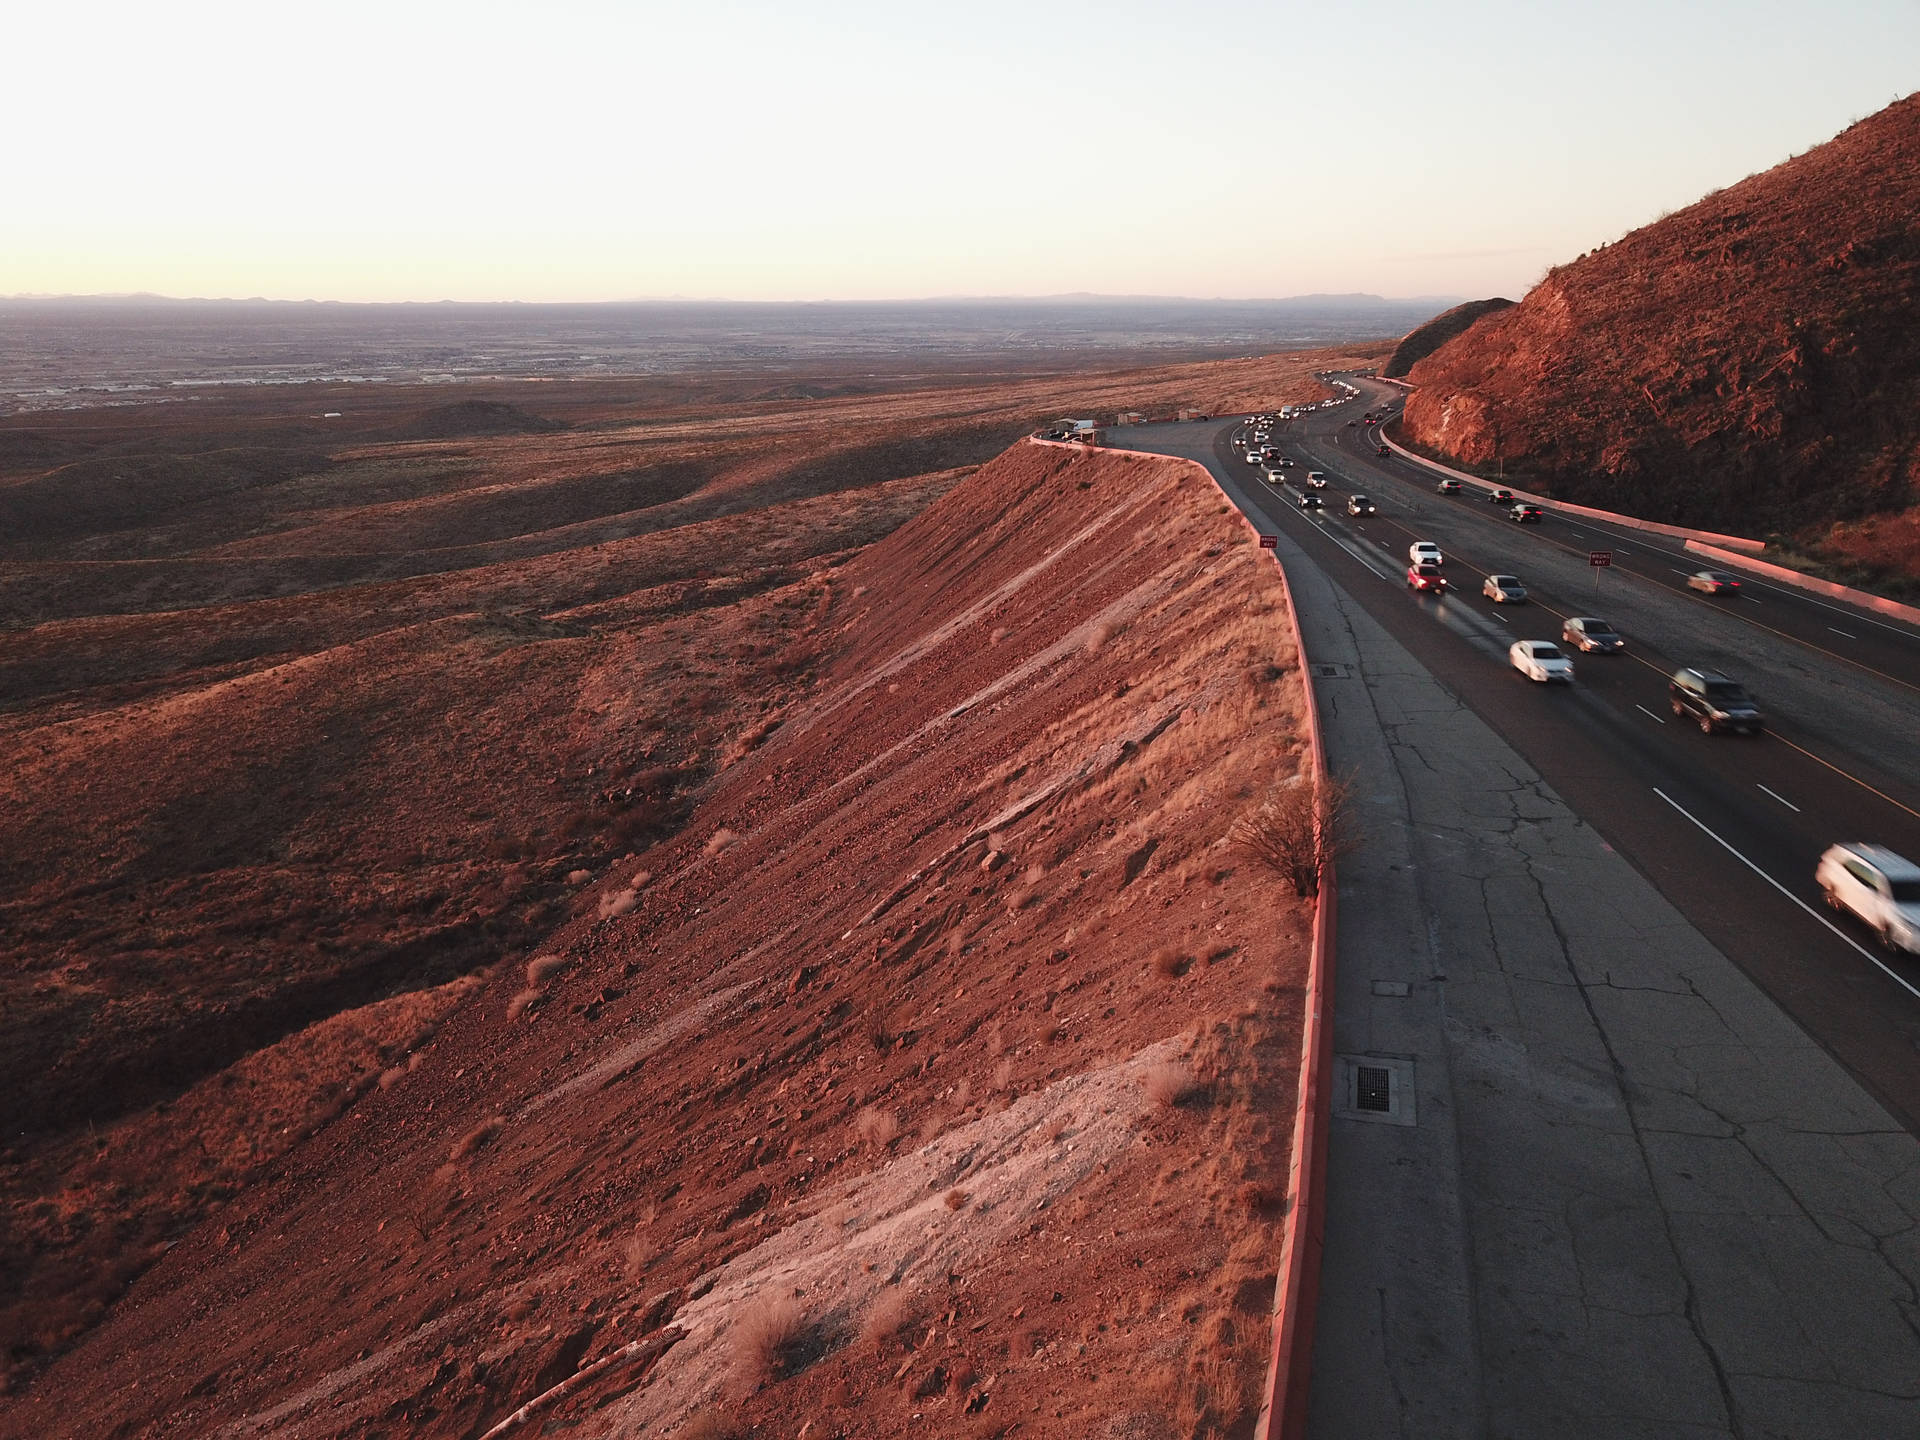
(1621, 1193)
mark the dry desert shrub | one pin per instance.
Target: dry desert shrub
(722, 839)
(477, 1138)
(890, 1313)
(1301, 831)
(956, 1198)
(1168, 963)
(637, 1253)
(765, 1331)
(579, 877)
(543, 968)
(517, 1006)
(1168, 1083)
(876, 1127)
(1099, 636)
(617, 902)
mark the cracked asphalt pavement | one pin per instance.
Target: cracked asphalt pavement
(1634, 1198)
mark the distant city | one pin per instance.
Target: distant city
(72, 352)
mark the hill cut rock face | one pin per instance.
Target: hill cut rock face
(1418, 344)
(935, 1074)
(1750, 363)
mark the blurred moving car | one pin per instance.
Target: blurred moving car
(1593, 635)
(1715, 701)
(1385, 451)
(1360, 505)
(1713, 582)
(1317, 479)
(1504, 590)
(1425, 552)
(1882, 888)
(1426, 577)
(1540, 660)
(1525, 514)
(1448, 487)
(1500, 497)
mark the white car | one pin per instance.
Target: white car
(1317, 479)
(1541, 660)
(1425, 552)
(1254, 457)
(1879, 886)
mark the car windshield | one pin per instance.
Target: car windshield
(1596, 627)
(1725, 691)
(1905, 892)
(1544, 651)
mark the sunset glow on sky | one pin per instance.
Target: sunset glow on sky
(590, 150)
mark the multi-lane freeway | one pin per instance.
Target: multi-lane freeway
(1729, 827)
(1650, 1167)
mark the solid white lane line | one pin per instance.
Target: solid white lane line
(1781, 798)
(1838, 932)
(1842, 634)
(1498, 616)
(1657, 719)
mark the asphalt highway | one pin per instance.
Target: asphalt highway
(1728, 827)
(1647, 1166)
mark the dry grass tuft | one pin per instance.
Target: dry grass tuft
(876, 1127)
(517, 1006)
(1168, 963)
(765, 1331)
(478, 1138)
(1099, 636)
(722, 839)
(618, 902)
(1258, 1198)
(543, 968)
(1301, 831)
(637, 1253)
(579, 877)
(1169, 1083)
(890, 1313)
(999, 634)
(957, 1198)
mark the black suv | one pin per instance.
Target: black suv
(1715, 702)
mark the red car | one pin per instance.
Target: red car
(1426, 577)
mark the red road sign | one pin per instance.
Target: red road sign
(1268, 542)
(1601, 559)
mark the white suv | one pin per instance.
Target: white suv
(1877, 885)
(1425, 552)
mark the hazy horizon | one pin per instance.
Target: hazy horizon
(597, 151)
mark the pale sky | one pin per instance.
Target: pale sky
(841, 149)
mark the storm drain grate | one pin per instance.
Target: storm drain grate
(1379, 1089)
(1330, 672)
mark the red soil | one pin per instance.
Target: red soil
(877, 1037)
(1750, 364)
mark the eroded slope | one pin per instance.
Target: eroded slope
(938, 1067)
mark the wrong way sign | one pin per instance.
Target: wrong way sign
(1600, 559)
(1269, 542)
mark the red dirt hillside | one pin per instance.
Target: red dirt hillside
(933, 1076)
(1748, 364)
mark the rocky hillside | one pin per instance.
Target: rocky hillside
(1418, 344)
(1750, 363)
(932, 1077)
